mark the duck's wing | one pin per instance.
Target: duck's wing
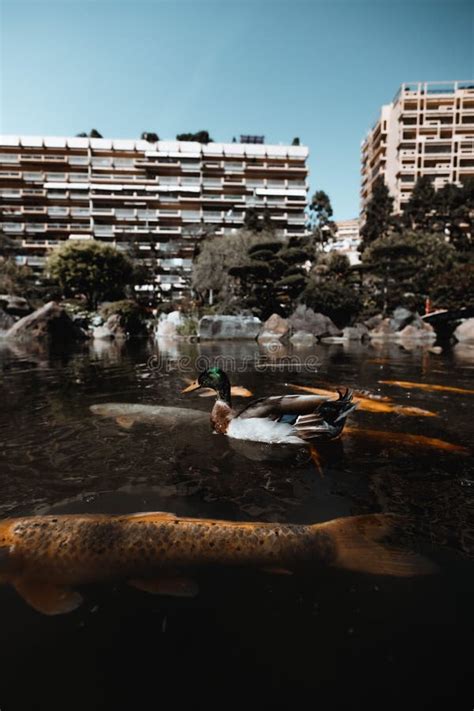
(312, 417)
(277, 405)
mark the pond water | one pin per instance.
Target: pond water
(336, 638)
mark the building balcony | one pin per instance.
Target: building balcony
(31, 210)
(40, 244)
(12, 227)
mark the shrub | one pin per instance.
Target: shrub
(96, 270)
(131, 315)
(332, 298)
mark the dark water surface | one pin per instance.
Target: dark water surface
(331, 640)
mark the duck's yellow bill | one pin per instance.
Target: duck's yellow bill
(194, 386)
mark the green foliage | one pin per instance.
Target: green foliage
(273, 276)
(199, 137)
(420, 208)
(455, 288)
(217, 255)
(333, 298)
(454, 214)
(378, 214)
(93, 133)
(132, 315)
(258, 221)
(295, 141)
(96, 270)
(14, 278)
(321, 212)
(190, 327)
(338, 264)
(150, 137)
(406, 265)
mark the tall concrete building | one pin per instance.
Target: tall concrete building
(428, 129)
(154, 197)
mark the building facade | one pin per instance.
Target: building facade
(347, 240)
(154, 199)
(428, 129)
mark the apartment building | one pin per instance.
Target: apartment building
(347, 240)
(153, 198)
(428, 129)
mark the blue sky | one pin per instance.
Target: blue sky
(315, 69)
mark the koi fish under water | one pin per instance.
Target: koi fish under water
(406, 439)
(371, 404)
(427, 386)
(45, 557)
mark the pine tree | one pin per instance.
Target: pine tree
(378, 214)
(321, 212)
(420, 209)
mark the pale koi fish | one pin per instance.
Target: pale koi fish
(127, 414)
(406, 439)
(373, 405)
(427, 386)
(46, 557)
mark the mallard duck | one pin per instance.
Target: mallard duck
(280, 419)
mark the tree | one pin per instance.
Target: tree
(333, 298)
(420, 209)
(199, 137)
(273, 276)
(14, 278)
(404, 268)
(150, 137)
(378, 214)
(216, 256)
(96, 270)
(321, 224)
(255, 221)
(93, 133)
(454, 207)
(295, 141)
(455, 288)
(331, 291)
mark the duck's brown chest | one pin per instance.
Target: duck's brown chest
(221, 415)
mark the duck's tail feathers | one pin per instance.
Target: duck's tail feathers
(356, 543)
(345, 405)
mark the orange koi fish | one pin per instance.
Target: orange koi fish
(46, 557)
(427, 386)
(405, 439)
(373, 405)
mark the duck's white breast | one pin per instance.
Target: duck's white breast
(261, 429)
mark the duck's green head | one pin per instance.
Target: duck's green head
(213, 378)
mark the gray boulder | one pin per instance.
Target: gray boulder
(401, 317)
(357, 332)
(373, 321)
(113, 328)
(302, 339)
(385, 329)
(229, 327)
(274, 328)
(464, 333)
(14, 305)
(305, 319)
(416, 331)
(50, 322)
(168, 325)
